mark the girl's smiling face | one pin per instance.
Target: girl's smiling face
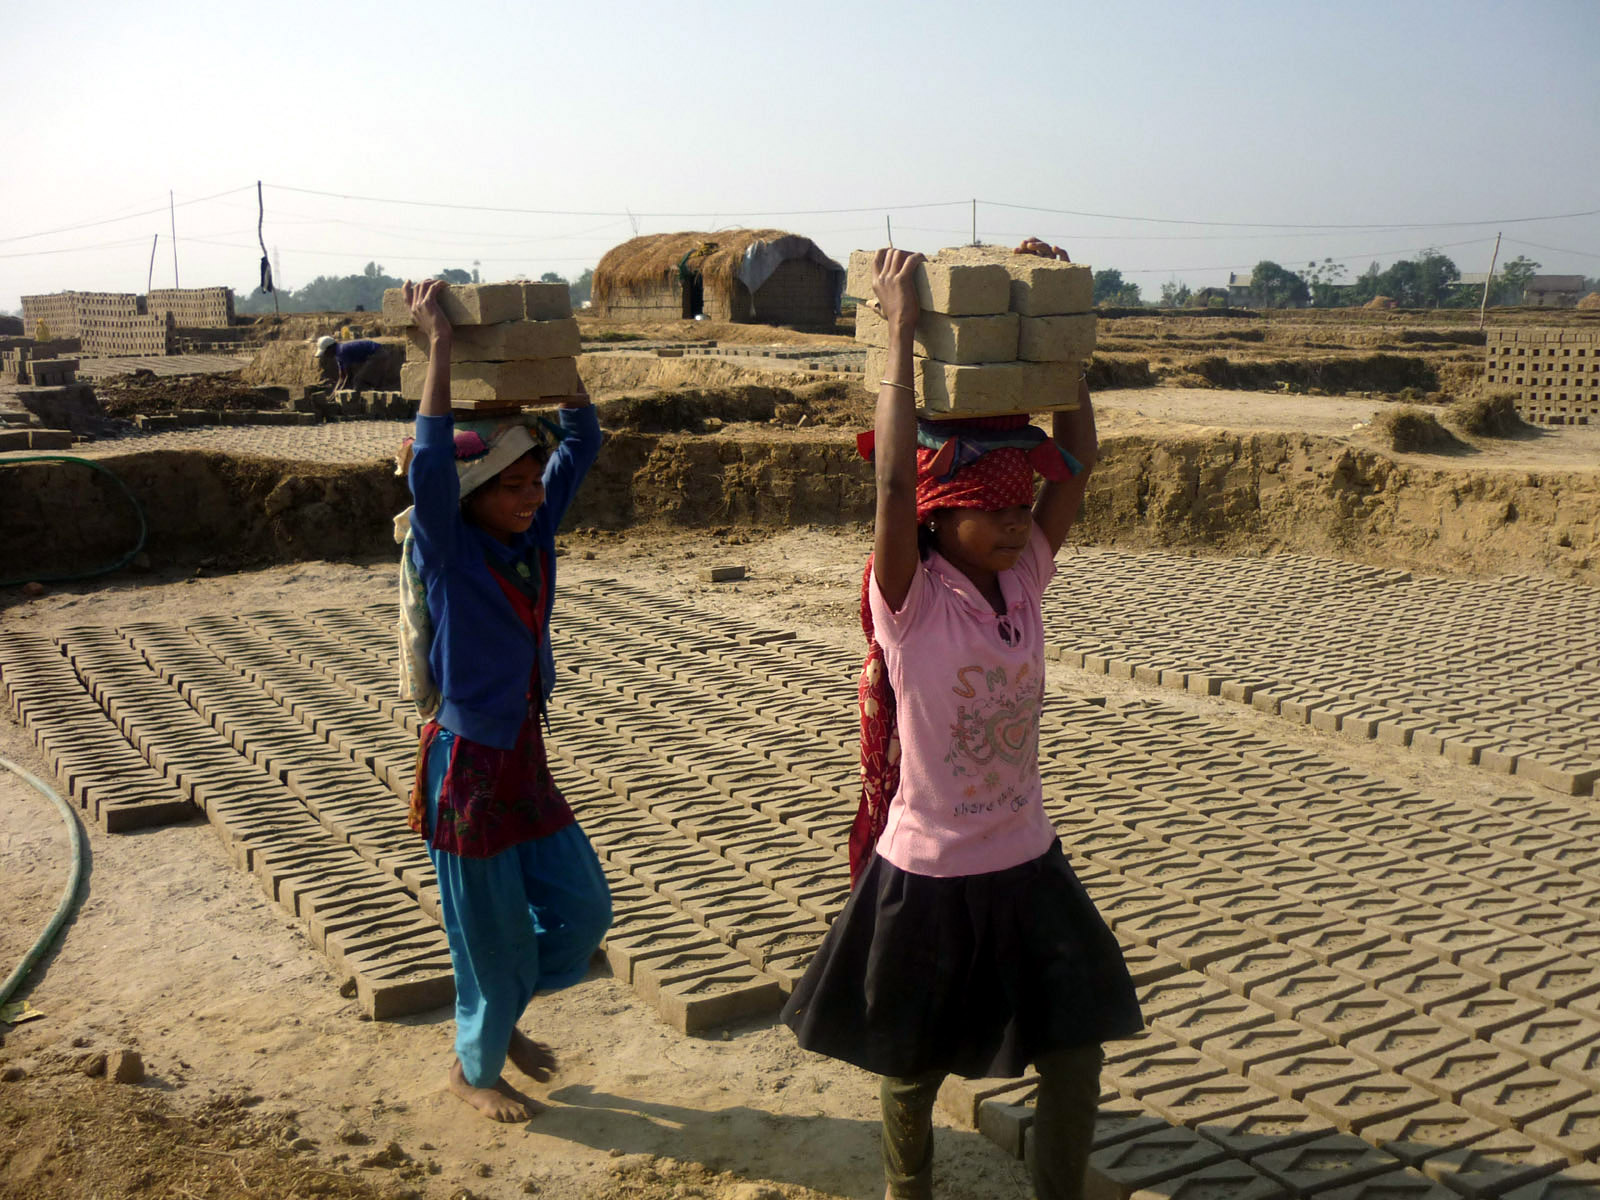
(505, 506)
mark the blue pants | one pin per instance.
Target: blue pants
(526, 920)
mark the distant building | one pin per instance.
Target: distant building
(1239, 293)
(1553, 291)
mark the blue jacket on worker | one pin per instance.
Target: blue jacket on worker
(483, 655)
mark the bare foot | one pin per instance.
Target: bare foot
(533, 1059)
(502, 1102)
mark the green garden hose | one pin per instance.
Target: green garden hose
(64, 909)
(138, 511)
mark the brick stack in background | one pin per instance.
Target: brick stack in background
(1000, 332)
(515, 344)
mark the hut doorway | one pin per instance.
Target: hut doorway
(694, 295)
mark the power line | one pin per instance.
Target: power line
(1386, 225)
(574, 212)
(1553, 249)
(22, 237)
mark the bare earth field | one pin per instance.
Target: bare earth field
(1329, 706)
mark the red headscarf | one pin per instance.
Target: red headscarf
(1002, 478)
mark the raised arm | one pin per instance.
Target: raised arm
(1058, 504)
(422, 299)
(894, 457)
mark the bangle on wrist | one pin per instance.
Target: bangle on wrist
(902, 386)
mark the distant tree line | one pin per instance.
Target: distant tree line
(364, 292)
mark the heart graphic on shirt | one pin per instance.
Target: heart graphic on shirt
(1011, 731)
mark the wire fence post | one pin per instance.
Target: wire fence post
(1483, 309)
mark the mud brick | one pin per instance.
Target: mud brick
(1060, 339)
(1293, 1075)
(1159, 1065)
(386, 991)
(954, 288)
(1493, 1166)
(1225, 1015)
(1147, 965)
(1352, 1016)
(1242, 1049)
(407, 936)
(962, 1098)
(1119, 1118)
(699, 888)
(1331, 943)
(800, 938)
(980, 339)
(1408, 1184)
(1275, 1125)
(694, 992)
(1581, 1063)
(1505, 961)
(1178, 994)
(1124, 1168)
(1426, 1132)
(1160, 927)
(627, 951)
(504, 342)
(1335, 1160)
(1484, 1014)
(1223, 1181)
(1354, 1106)
(121, 810)
(1007, 1125)
(351, 871)
(1452, 1073)
(465, 304)
(1212, 1099)
(1546, 1036)
(1242, 906)
(1378, 964)
(1571, 775)
(948, 389)
(1408, 1042)
(1578, 1182)
(527, 380)
(1566, 981)
(1456, 938)
(351, 906)
(1290, 995)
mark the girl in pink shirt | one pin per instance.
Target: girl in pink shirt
(968, 944)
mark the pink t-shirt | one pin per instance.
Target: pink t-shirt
(968, 683)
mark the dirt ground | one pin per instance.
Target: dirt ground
(265, 1083)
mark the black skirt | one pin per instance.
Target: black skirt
(975, 975)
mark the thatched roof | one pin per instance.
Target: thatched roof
(653, 259)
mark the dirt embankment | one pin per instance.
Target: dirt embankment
(1212, 490)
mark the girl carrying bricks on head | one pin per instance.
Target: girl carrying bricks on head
(522, 895)
(968, 946)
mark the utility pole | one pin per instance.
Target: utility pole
(172, 212)
(974, 222)
(150, 277)
(1493, 258)
(888, 228)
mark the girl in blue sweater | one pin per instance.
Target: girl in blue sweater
(522, 893)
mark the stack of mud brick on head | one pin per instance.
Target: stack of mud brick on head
(515, 346)
(1000, 332)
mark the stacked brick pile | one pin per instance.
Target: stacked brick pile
(999, 332)
(1555, 373)
(22, 363)
(515, 344)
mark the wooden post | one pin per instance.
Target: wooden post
(150, 277)
(1487, 283)
(889, 230)
(172, 212)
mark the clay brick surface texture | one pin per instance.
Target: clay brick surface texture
(502, 343)
(1354, 984)
(512, 382)
(466, 304)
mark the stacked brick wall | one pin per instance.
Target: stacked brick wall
(139, 336)
(193, 308)
(57, 312)
(1555, 373)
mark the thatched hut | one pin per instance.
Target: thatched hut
(750, 276)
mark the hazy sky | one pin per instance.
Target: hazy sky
(1230, 122)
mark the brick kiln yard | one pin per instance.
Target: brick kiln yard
(1341, 813)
